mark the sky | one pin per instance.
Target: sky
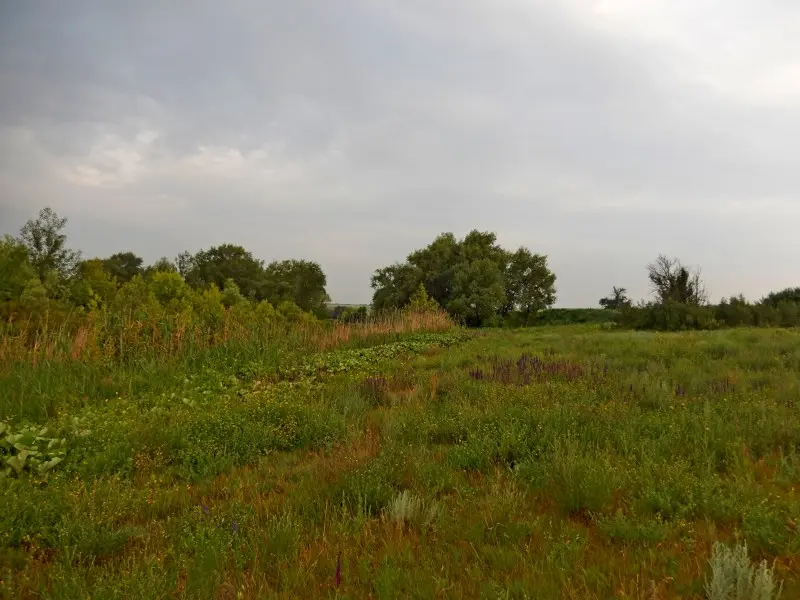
(351, 132)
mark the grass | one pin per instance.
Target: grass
(562, 462)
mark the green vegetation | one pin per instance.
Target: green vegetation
(205, 429)
(553, 462)
(476, 281)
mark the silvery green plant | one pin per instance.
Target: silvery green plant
(409, 509)
(734, 577)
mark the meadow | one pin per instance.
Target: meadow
(578, 461)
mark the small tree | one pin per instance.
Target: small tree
(421, 302)
(46, 242)
(670, 280)
(617, 300)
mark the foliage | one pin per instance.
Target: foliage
(788, 295)
(299, 281)
(16, 271)
(123, 266)
(530, 285)
(421, 302)
(562, 316)
(731, 312)
(350, 314)
(478, 292)
(47, 245)
(671, 281)
(218, 264)
(29, 449)
(617, 300)
(474, 279)
(733, 577)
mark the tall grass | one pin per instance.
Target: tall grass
(106, 337)
(99, 356)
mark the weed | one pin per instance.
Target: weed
(734, 577)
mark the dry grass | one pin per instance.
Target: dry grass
(99, 337)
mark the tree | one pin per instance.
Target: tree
(421, 302)
(434, 267)
(671, 281)
(15, 269)
(617, 300)
(394, 285)
(787, 295)
(299, 281)
(162, 265)
(218, 264)
(47, 245)
(530, 285)
(447, 271)
(478, 292)
(94, 287)
(123, 266)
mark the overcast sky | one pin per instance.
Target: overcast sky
(350, 132)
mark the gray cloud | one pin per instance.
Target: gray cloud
(600, 133)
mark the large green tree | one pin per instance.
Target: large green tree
(478, 291)
(220, 263)
(123, 266)
(16, 271)
(46, 242)
(530, 284)
(474, 279)
(300, 281)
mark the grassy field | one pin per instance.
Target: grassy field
(562, 462)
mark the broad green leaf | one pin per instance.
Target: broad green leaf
(16, 463)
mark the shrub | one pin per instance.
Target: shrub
(733, 577)
(407, 509)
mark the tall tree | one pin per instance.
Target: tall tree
(220, 263)
(671, 281)
(530, 285)
(300, 281)
(123, 266)
(465, 276)
(16, 270)
(436, 263)
(478, 292)
(46, 242)
(394, 285)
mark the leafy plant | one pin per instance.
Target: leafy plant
(30, 449)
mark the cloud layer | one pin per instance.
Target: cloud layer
(598, 132)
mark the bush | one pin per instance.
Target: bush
(733, 577)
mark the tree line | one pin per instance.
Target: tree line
(473, 279)
(38, 269)
(680, 301)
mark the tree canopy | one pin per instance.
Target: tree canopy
(618, 299)
(671, 281)
(46, 243)
(474, 279)
(123, 266)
